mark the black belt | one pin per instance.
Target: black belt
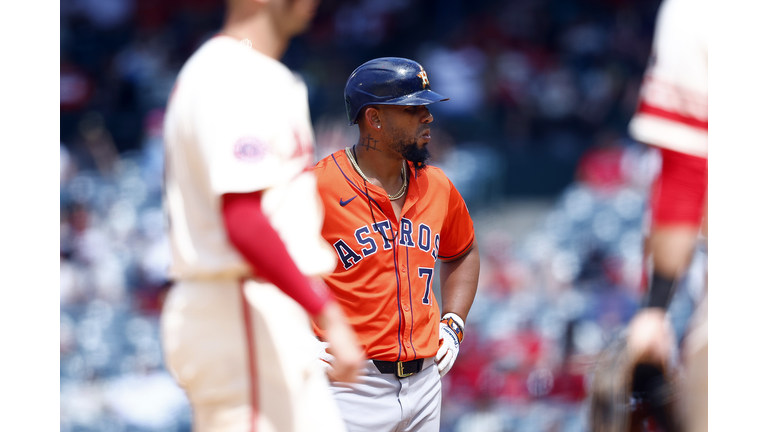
(399, 368)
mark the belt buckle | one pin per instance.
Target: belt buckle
(400, 373)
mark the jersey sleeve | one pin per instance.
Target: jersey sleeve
(247, 145)
(672, 110)
(253, 236)
(458, 232)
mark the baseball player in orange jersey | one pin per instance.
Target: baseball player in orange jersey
(673, 116)
(390, 217)
(244, 221)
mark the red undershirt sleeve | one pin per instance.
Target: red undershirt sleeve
(252, 235)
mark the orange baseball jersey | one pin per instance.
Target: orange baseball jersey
(384, 285)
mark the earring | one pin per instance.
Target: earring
(378, 127)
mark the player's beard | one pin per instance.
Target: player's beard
(411, 152)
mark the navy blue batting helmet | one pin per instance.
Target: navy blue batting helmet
(387, 81)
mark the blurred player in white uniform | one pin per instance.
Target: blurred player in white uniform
(672, 115)
(245, 224)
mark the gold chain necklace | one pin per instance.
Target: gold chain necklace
(395, 197)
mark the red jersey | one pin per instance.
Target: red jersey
(386, 267)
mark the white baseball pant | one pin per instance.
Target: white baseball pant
(386, 403)
(242, 354)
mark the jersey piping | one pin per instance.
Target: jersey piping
(410, 300)
(458, 255)
(394, 255)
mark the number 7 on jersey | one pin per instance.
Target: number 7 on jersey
(426, 271)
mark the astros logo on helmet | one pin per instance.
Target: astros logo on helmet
(424, 79)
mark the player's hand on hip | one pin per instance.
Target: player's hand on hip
(343, 353)
(448, 351)
(322, 355)
(650, 337)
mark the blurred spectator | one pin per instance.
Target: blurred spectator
(600, 166)
(102, 14)
(75, 88)
(458, 73)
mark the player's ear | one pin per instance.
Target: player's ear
(371, 117)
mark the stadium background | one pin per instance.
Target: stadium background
(534, 137)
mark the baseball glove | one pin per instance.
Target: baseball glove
(631, 397)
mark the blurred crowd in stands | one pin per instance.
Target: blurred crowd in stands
(532, 82)
(548, 302)
(541, 92)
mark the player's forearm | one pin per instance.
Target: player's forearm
(672, 248)
(458, 283)
(252, 235)
(678, 202)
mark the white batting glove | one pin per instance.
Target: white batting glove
(451, 335)
(321, 352)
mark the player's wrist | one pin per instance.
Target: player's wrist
(660, 292)
(455, 323)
